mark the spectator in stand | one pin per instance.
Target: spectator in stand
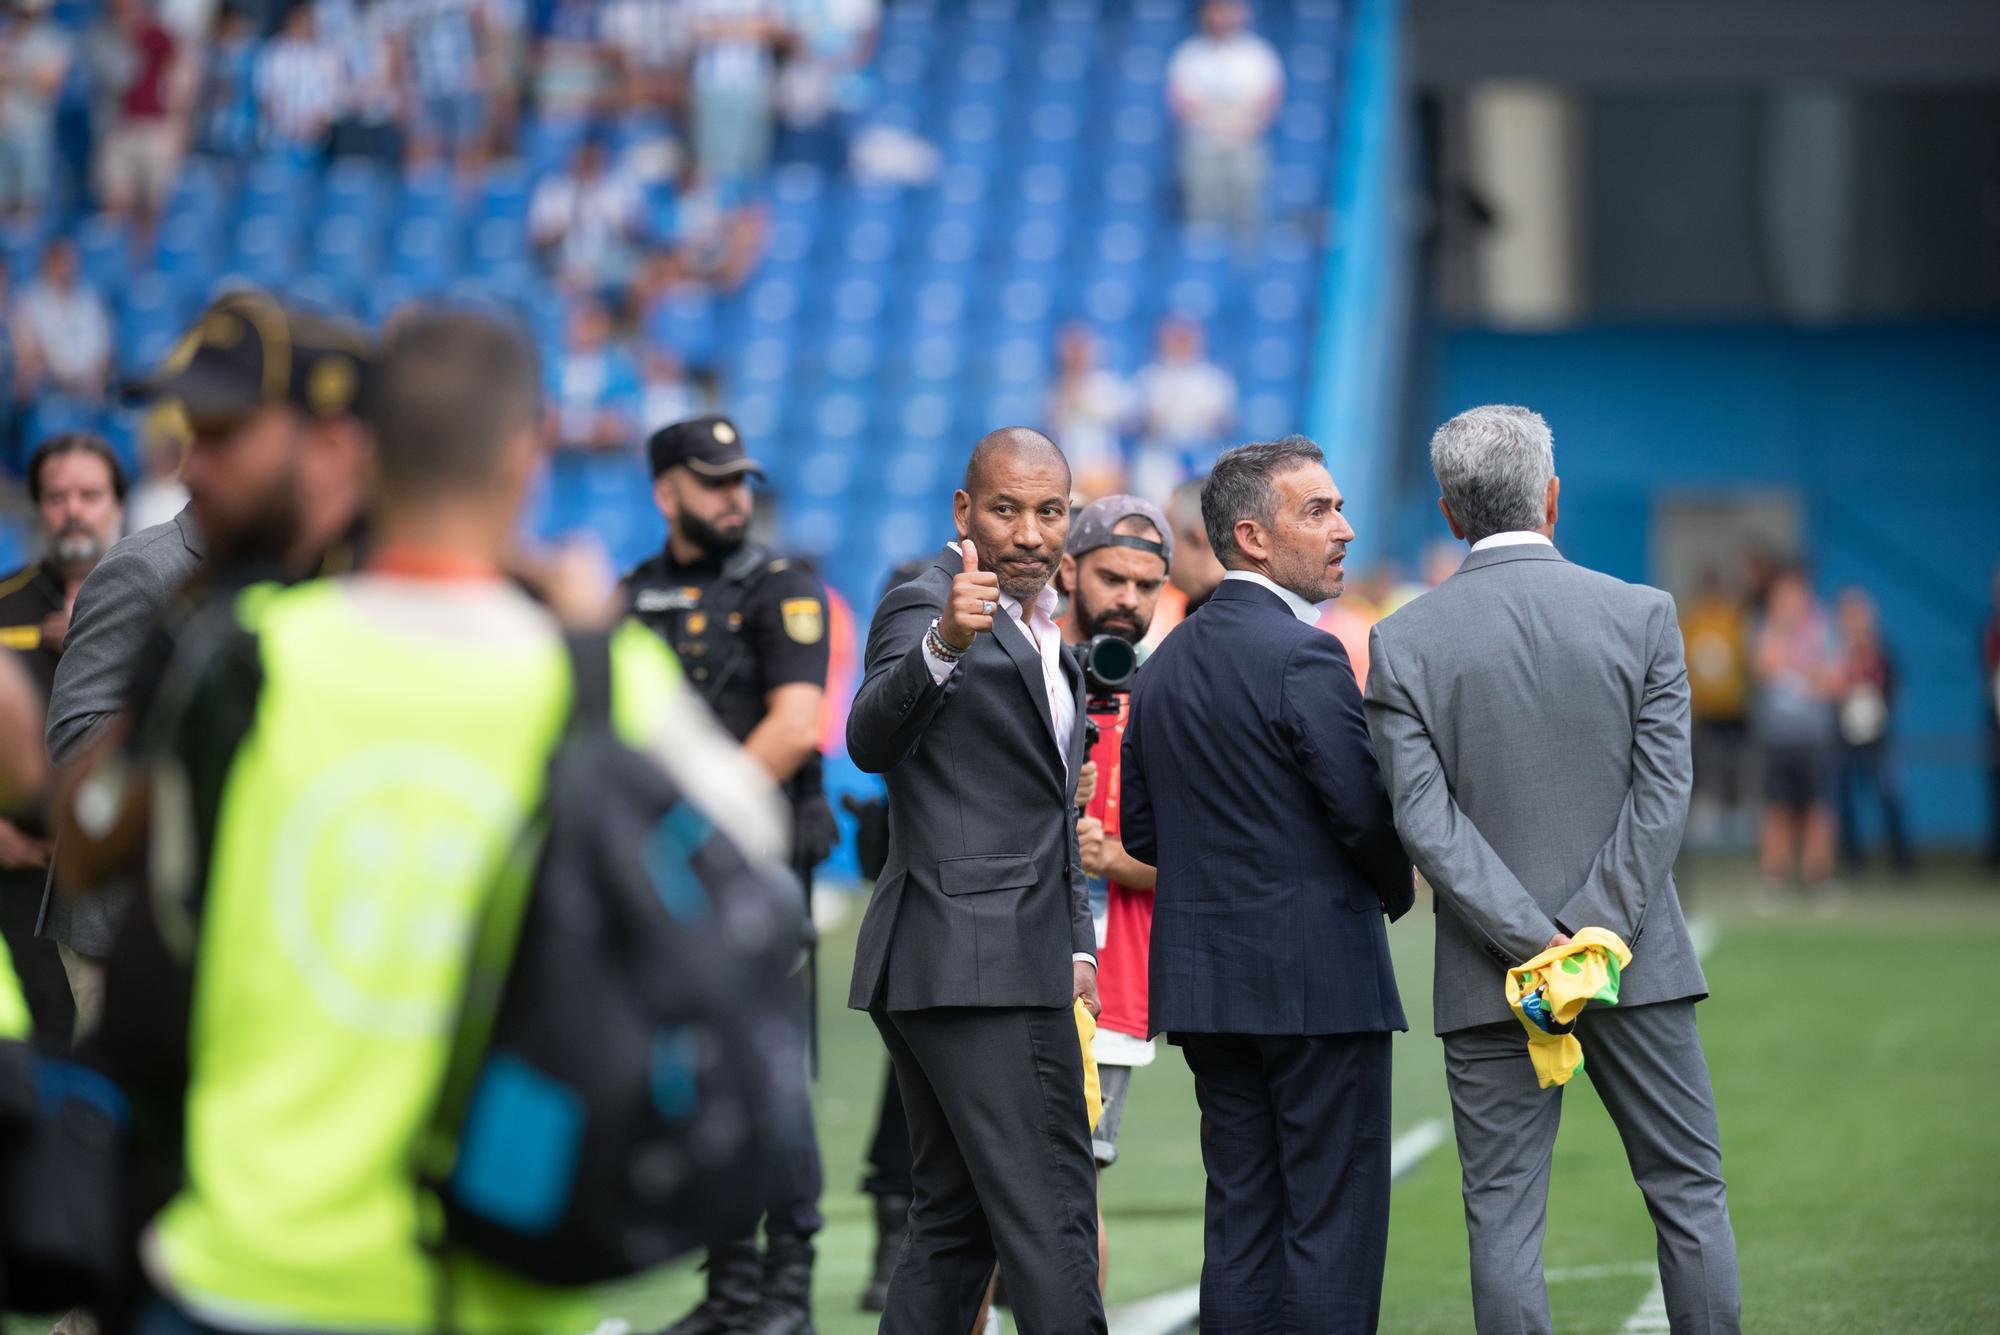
(300, 85)
(131, 59)
(1989, 680)
(34, 58)
(665, 393)
(587, 221)
(1798, 675)
(1715, 627)
(571, 75)
(822, 84)
(226, 105)
(1189, 404)
(645, 42)
(63, 332)
(1088, 410)
(1868, 683)
(443, 47)
(733, 47)
(1225, 86)
(595, 394)
(370, 121)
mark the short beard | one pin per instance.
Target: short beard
(709, 540)
(1025, 592)
(1092, 626)
(266, 532)
(75, 549)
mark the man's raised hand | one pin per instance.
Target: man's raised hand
(975, 597)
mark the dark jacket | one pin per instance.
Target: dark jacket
(982, 902)
(1249, 782)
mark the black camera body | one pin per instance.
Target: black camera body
(1109, 664)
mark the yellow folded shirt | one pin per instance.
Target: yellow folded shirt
(1093, 1088)
(1550, 990)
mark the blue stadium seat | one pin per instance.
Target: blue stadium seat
(104, 251)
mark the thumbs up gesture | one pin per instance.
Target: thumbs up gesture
(975, 597)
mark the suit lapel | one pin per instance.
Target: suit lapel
(1073, 678)
(1029, 664)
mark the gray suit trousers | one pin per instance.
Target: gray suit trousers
(1646, 1064)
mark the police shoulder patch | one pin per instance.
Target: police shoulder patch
(805, 622)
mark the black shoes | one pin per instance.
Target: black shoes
(735, 1287)
(892, 1222)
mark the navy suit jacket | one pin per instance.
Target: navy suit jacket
(1249, 781)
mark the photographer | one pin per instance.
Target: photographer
(1113, 569)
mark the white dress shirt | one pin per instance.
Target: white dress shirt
(1300, 608)
(1511, 538)
(1038, 623)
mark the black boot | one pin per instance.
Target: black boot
(786, 1308)
(892, 1222)
(735, 1283)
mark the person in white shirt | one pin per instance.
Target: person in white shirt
(586, 220)
(64, 332)
(732, 83)
(1089, 409)
(300, 83)
(1225, 86)
(1189, 405)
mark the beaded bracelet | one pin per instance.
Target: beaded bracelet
(938, 646)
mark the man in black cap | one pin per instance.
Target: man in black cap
(277, 472)
(749, 628)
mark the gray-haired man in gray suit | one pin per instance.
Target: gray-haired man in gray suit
(1531, 721)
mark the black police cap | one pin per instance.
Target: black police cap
(249, 351)
(710, 447)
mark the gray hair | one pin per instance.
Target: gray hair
(1493, 465)
(1239, 488)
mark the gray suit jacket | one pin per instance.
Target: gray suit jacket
(117, 609)
(982, 901)
(1531, 721)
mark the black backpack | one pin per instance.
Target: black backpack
(629, 1061)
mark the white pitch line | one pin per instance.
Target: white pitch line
(1176, 1311)
(1611, 1270)
(1651, 1316)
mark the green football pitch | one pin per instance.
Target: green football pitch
(1856, 1057)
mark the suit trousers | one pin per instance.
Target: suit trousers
(1646, 1064)
(1295, 1139)
(1001, 1167)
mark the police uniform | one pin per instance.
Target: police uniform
(743, 625)
(28, 597)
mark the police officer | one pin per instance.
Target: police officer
(749, 628)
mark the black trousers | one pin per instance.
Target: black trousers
(1869, 767)
(1000, 1148)
(889, 1149)
(1295, 1138)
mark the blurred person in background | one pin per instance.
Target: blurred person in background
(1193, 573)
(158, 494)
(441, 47)
(572, 78)
(1225, 86)
(369, 123)
(1188, 406)
(78, 490)
(594, 384)
(225, 105)
(34, 60)
(301, 86)
(1114, 566)
(1989, 664)
(140, 85)
(749, 628)
(822, 84)
(665, 392)
(1867, 704)
(1089, 406)
(643, 42)
(63, 332)
(586, 221)
(1798, 675)
(1715, 626)
(732, 72)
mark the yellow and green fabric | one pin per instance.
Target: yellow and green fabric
(1551, 990)
(15, 1022)
(386, 777)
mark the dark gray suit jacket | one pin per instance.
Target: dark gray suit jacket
(1531, 721)
(982, 901)
(116, 612)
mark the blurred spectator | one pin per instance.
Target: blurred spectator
(1189, 405)
(645, 42)
(586, 221)
(666, 394)
(1088, 409)
(226, 103)
(570, 67)
(596, 388)
(34, 58)
(62, 331)
(1989, 658)
(1715, 627)
(443, 48)
(504, 36)
(368, 123)
(716, 242)
(1194, 571)
(1225, 87)
(731, 84)
(300, 78)
(131, 60)
(1798, 675)
(822, 83)
(158, 495)
(1867, 708)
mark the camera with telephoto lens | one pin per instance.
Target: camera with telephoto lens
(1109, 664)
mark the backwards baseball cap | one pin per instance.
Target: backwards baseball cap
(249, 351)
(710, 447)
(1093, 525)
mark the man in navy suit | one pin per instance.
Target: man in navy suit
(1250, 784)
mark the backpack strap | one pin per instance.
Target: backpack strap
(590, 675)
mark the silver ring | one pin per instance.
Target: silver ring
(986, 609)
